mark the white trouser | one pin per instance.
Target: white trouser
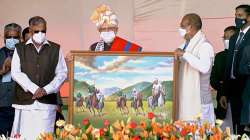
(208, 113)
(30, 123)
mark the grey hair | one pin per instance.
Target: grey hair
(13, 27)
(37, 20)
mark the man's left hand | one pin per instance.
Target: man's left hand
(41, 92)
(179, 52)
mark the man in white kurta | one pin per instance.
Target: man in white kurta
(196, 58)
(134, 94)
(156, 90)
(39, 116)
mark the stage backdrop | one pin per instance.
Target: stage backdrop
(151, 23)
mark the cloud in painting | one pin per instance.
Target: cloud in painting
(116, 63)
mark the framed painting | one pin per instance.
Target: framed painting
(117, 85)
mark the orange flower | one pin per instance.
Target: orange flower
(202, 131)
(143, 125)
(49, 137)
(84, 137)
(172, 137)
(89, 130)
(117, 135)
(64, 134)
(117, 125)
(145, 134)
(167, 128)
(75, 131)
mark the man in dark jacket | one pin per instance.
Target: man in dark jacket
(12, 36)
(244, 71)
(235, 83)
(218, 70)
(39, 68)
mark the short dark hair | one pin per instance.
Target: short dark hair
(37, 20)
(25, 31)
(230, 28)
(195, 20)
(12, 27)
(245, 7)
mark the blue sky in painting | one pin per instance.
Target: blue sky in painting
(114, 71)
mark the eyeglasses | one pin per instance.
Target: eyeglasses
(43, 31)
(15, 37)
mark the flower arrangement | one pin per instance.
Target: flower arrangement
(148, 129)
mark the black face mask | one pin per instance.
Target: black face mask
(240, 22)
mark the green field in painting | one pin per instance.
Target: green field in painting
(112, 113)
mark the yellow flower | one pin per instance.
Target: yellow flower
(57, 131)
(89, 130)
(111, 130)
(75, 131)
(84, 137)
(198, 117)
(228, 133)
(69, 127)
(123, 124)
(60, 123)
(129, 120)
(219, 122)
(117, 125)
(96, 133)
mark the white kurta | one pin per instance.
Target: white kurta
(31, 120)
(195, 69)
(157, 88)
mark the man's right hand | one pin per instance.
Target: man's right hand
(40, 92)
(223, 102)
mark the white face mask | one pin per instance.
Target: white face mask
(10, 43)
(39, 37)
(226, 44)
(107, 37)
(182, 32)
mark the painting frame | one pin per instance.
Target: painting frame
(75, 54)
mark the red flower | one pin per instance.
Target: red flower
(136, 138)
(133, 125)
(106, 123)
(184, 132)
(151, 115)
(102, 132)
(85, 122)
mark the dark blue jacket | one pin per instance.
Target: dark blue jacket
(7, 89)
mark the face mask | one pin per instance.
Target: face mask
(107, 37)
(182, 32)
(240, 22)
(226, 44)
(10, 43)
(39, 37)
